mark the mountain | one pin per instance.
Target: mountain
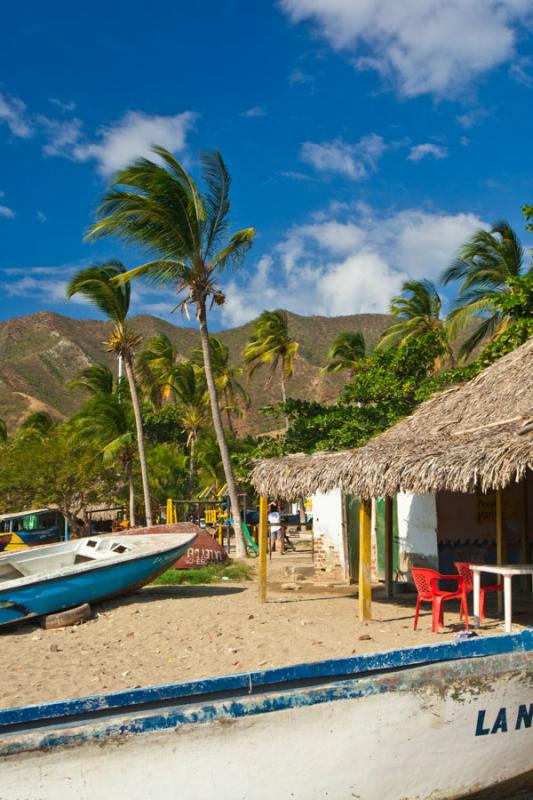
(40, 352)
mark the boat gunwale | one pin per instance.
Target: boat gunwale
(253, 682)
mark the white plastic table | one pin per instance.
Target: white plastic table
(506, 571)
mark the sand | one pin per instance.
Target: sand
(166, 634)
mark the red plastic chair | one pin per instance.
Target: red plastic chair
(426, 582)
(463, 568)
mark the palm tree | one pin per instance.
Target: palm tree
(487, 265)
(39, 423)
(233, 395)
(156, 368)
(160, 207)
(346, 352)
(105, 422)
(418, 312)
(96, 284)
(189, 388)
(95, 379)
(270, 343)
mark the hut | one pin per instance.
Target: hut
(468, 451)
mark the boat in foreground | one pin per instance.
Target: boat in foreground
(43, 580)
(430, 722)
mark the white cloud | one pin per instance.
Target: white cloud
(255, 111)
(421, 151)
(522, 71)
(133, 136)
(298, 76)
(472, 117)
(70, 105)
(130, 137)
(348, 260)
(421, 46)
(62, 136)
(14, 113)
(41, 216)
(6, 212)
(355, 161)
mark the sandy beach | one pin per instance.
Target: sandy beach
(166, 634)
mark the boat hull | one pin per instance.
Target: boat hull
(436, 722)
(49, 595)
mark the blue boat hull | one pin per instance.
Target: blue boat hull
(50, 595)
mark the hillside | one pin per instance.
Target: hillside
(40, 352)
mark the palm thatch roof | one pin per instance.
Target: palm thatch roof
(477, 435)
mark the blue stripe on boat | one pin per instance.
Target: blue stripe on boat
(355, 667)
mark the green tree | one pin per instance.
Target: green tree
(270, 343)
(160, 207)
(189, 388)
(232, 394)
(384, 389)
(98, 286)
(95, 379)
(37, 424)
(487, 266)
(55, 471)
(417, 312)
(157, 367)
(345, 353)
(106, 424)
(3, 431)
(168, 471)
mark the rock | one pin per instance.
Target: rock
(55, 648)
(365, 637)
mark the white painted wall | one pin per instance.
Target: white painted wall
(417, 532)
(328, 530)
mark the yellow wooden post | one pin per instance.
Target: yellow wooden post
(263, 536)
(365, 588)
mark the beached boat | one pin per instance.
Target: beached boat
(43, 580)
(5, 538)
(32, 528)
(441, 721)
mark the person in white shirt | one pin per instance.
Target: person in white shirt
(276, 528)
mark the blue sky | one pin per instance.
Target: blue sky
(366, 138)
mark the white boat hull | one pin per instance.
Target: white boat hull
(441, 730)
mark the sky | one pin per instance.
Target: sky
(366, 139)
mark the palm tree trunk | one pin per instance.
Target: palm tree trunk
(140, 439)
(132, 494)
(228, 413)
(284, 393)
(191, 465)
(219, 431)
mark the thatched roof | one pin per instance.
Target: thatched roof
(474, 435)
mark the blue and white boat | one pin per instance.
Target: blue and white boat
(43, 580)
(33, 527)
(437, 722)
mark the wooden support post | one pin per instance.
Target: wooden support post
(263, 540)
(501, 539)
(388, 546)
(365, 588)
(525, 557)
